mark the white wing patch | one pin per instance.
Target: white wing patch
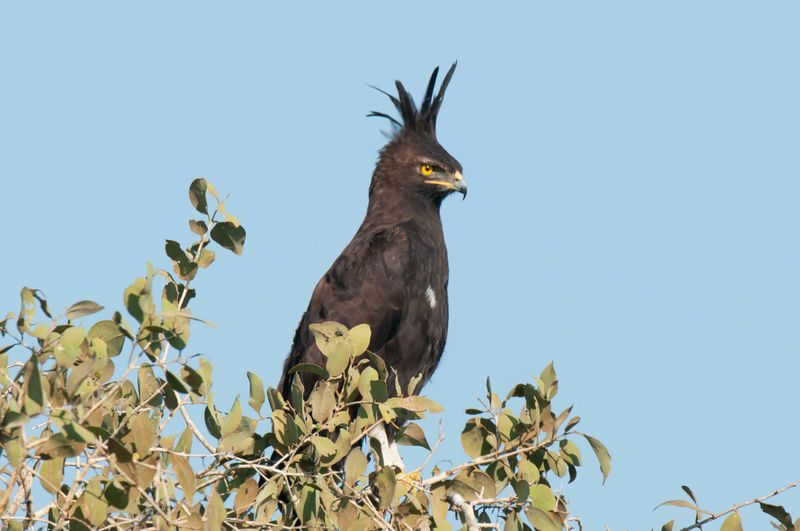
(431, 296)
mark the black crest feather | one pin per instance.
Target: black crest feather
(422, 120)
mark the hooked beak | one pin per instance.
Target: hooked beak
(460, 184)
(456, 184)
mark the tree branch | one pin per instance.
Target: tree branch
(465, 509)
(738, 506)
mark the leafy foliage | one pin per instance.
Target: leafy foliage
(111, 425)
(88, 441)
(116, 444)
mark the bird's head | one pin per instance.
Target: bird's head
(413, 161)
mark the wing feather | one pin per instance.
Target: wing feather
(366, 284)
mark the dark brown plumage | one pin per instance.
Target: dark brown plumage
(393, 275)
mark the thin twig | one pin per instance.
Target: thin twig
(488, 458)
(738, 506)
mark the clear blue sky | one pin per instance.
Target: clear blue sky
(633, 208)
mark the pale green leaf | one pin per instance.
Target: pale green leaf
(185, 475)
(231, 422)
(602, 456)
(384, 485)
(245, 496)
(82, 309)
(110, 333)
(542, 497)
(354, 466)
(215, 512)
(51, 474)
(257, 395)
(359, 337)
(732, 523)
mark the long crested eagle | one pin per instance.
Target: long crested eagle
(393, 274)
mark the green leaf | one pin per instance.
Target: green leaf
(197, 195)
(211, 424)
(688, 491)
(354, 466)
(175, 251)
(69, 346)
(94, 503)
(330, 337)
(337, 362)
(439, 507)
(323, 445)
(732, 523)
(308, 505)
(185, 475)
(39, 296)
(111, 333)
(472, 439)
(668, 526)
(778, 513)
(549, 381)
(322, 401)
(572, 423)
(34, 397)
(175, 383)
(215, 512)
(245, 496)
(229, 236)
(415, 403)
(543, 521)
(206, 258)
(184, 443)
(51, 474)
(473, 484)
(59, 445)
(257, 395)
(148, 386)
(602, 456)
(685, 504)
(231, 422)
(199, 227)
(185, 268)
(522, 489)
(194, 379)
(412, 435)
(368, 375)
(26, 311)
(116, 495)
(82, 309)
(359, 337)
(571, 452)
(143, 430)
(14, 419)
(311, 368)
(384, 485)
(542, 497)
(15, 451)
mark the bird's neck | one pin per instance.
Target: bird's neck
(393, 206)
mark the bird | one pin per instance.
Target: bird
(393, 275)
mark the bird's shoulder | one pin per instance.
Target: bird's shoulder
(384, 251)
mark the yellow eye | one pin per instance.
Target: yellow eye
(426, 169)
